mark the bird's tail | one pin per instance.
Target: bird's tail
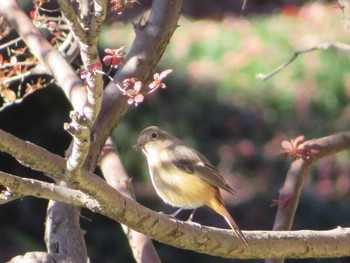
(218, 206)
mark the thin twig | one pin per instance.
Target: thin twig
(10, 43)
(69, 48)
(20, 63)
(296, 53)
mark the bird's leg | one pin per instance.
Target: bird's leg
(191, 215)
(189, 220)
(173, 215)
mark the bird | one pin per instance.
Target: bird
(182, 176)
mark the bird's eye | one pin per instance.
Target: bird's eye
(154, 135)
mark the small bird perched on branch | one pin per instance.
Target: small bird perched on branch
(182, 176)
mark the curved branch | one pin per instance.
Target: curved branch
(291, 190)
(289, 194)
(297, 244)
(213, 241)
(299, 52)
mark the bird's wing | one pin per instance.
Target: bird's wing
(193, 162)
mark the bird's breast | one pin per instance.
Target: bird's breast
(175, 186)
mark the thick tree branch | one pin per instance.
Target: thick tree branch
(147, 49)
(298, 244)
(217, 242)
(115, 175)
(18, 188)
(32, 155)
(63, 236)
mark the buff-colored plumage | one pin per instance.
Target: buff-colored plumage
(182, 176)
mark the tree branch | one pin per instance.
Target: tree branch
(147, 49)
(69, 48)
(213, 241)
(156, 49)
(298, 52)
(79, 129)
(72, 20)
(297, 244)
(87, 41)
(80, 126)
(116, 176)
(63, 235)
(48, 56)
(18, 188)
(32, 155)
(60, 244)
(289, 194)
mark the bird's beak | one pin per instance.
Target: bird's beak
(138, 146)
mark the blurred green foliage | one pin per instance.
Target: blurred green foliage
(214, 98)
(215, 102)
